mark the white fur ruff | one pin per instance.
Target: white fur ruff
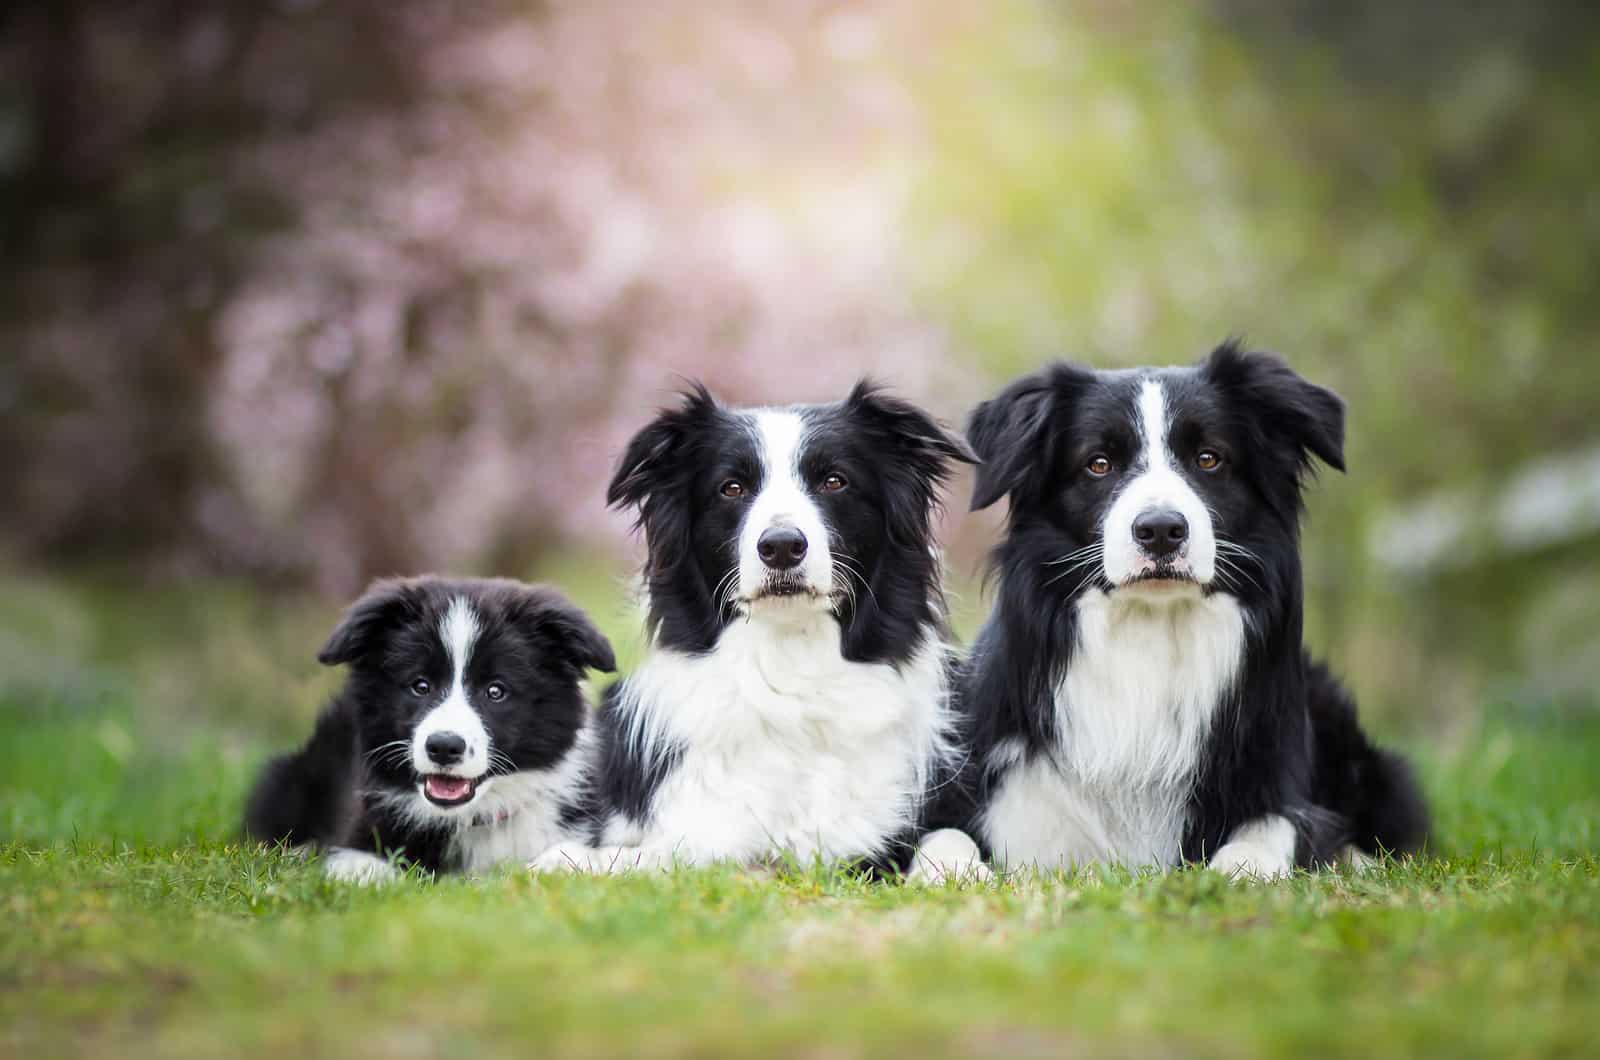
(785, 748)
(1133, 713)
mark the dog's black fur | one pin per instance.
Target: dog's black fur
(1284, 739)
(342, 790)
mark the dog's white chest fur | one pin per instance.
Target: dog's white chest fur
(520, 816)
(784, 746)
(1133, 713)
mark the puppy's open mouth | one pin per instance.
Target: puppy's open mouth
(449, 791)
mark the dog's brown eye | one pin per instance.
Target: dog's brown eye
(1099, 465)
(733, 488)
(421, 687)
(496, 691)
(1208, 460)
(834, 483)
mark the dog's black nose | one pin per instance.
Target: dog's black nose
(1161, 533)
(445, 748)
(781, 547)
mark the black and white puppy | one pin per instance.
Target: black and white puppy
(794, 698)
(461, 739)
(1140, 694)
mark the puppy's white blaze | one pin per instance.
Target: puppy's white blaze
(1156, 484)
(1260, 850)
(784, 500)
(1134, 712)
(459, 633)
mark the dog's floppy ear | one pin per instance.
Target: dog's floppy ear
(913, 434)
(1011, 432)
(652, 454)
(546, 615)
(1291, 407)
(382, 607)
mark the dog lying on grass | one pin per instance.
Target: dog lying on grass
(461, 739)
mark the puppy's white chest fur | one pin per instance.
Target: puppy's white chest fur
(520, 816)
(1132, 716)
(783, 745)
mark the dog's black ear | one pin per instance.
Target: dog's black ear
(380, 609)
(1011, 432)
(652, 454)
(909, 431)
(547, 616)
(1291, 407)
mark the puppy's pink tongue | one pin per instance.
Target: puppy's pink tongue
(448, 788)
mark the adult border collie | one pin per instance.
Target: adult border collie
(1140, 694)
(461, 738)
(794, 699)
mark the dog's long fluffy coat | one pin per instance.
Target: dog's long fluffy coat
(1140, 694)
(794, 699)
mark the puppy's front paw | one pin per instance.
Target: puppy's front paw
(948, 854)
(563, 857)
(358, 867)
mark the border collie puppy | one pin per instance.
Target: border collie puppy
(461, 739)
(794, 698)
(1140, 694)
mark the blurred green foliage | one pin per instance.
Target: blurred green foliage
(1414, 228)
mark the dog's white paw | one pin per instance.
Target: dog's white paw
(1260, 850)
(948, 854)
(358, 867)
(574, 857)
(563, 857)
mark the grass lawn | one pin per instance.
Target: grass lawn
(133, 923)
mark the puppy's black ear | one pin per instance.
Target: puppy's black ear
(1290, 407)
(384, 605)
(1011, 432)
(910, 432)
(651, 456)
(552, 619)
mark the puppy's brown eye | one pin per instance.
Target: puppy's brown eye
(1099, 465)
(834, 483)
(496, 691)
(1208, 460)
(733, 488)
(421, 687)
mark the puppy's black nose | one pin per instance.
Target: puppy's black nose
(445, 748)
(1161, 533)
(781, 548)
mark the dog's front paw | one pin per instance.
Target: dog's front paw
(948, 854)
(358, 867)
(1251, 861)
(563, 857)
(1260, 850)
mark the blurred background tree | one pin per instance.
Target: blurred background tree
(304, 292)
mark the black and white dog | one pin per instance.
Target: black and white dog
(794, 699)
(1141, 694)
(461, 739)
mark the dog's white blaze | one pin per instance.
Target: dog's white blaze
(1156, 485)
(784, 500)
(785, 747)
(1133, 713)
(1260, 850)
(459, 632)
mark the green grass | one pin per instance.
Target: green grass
(132, 922)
